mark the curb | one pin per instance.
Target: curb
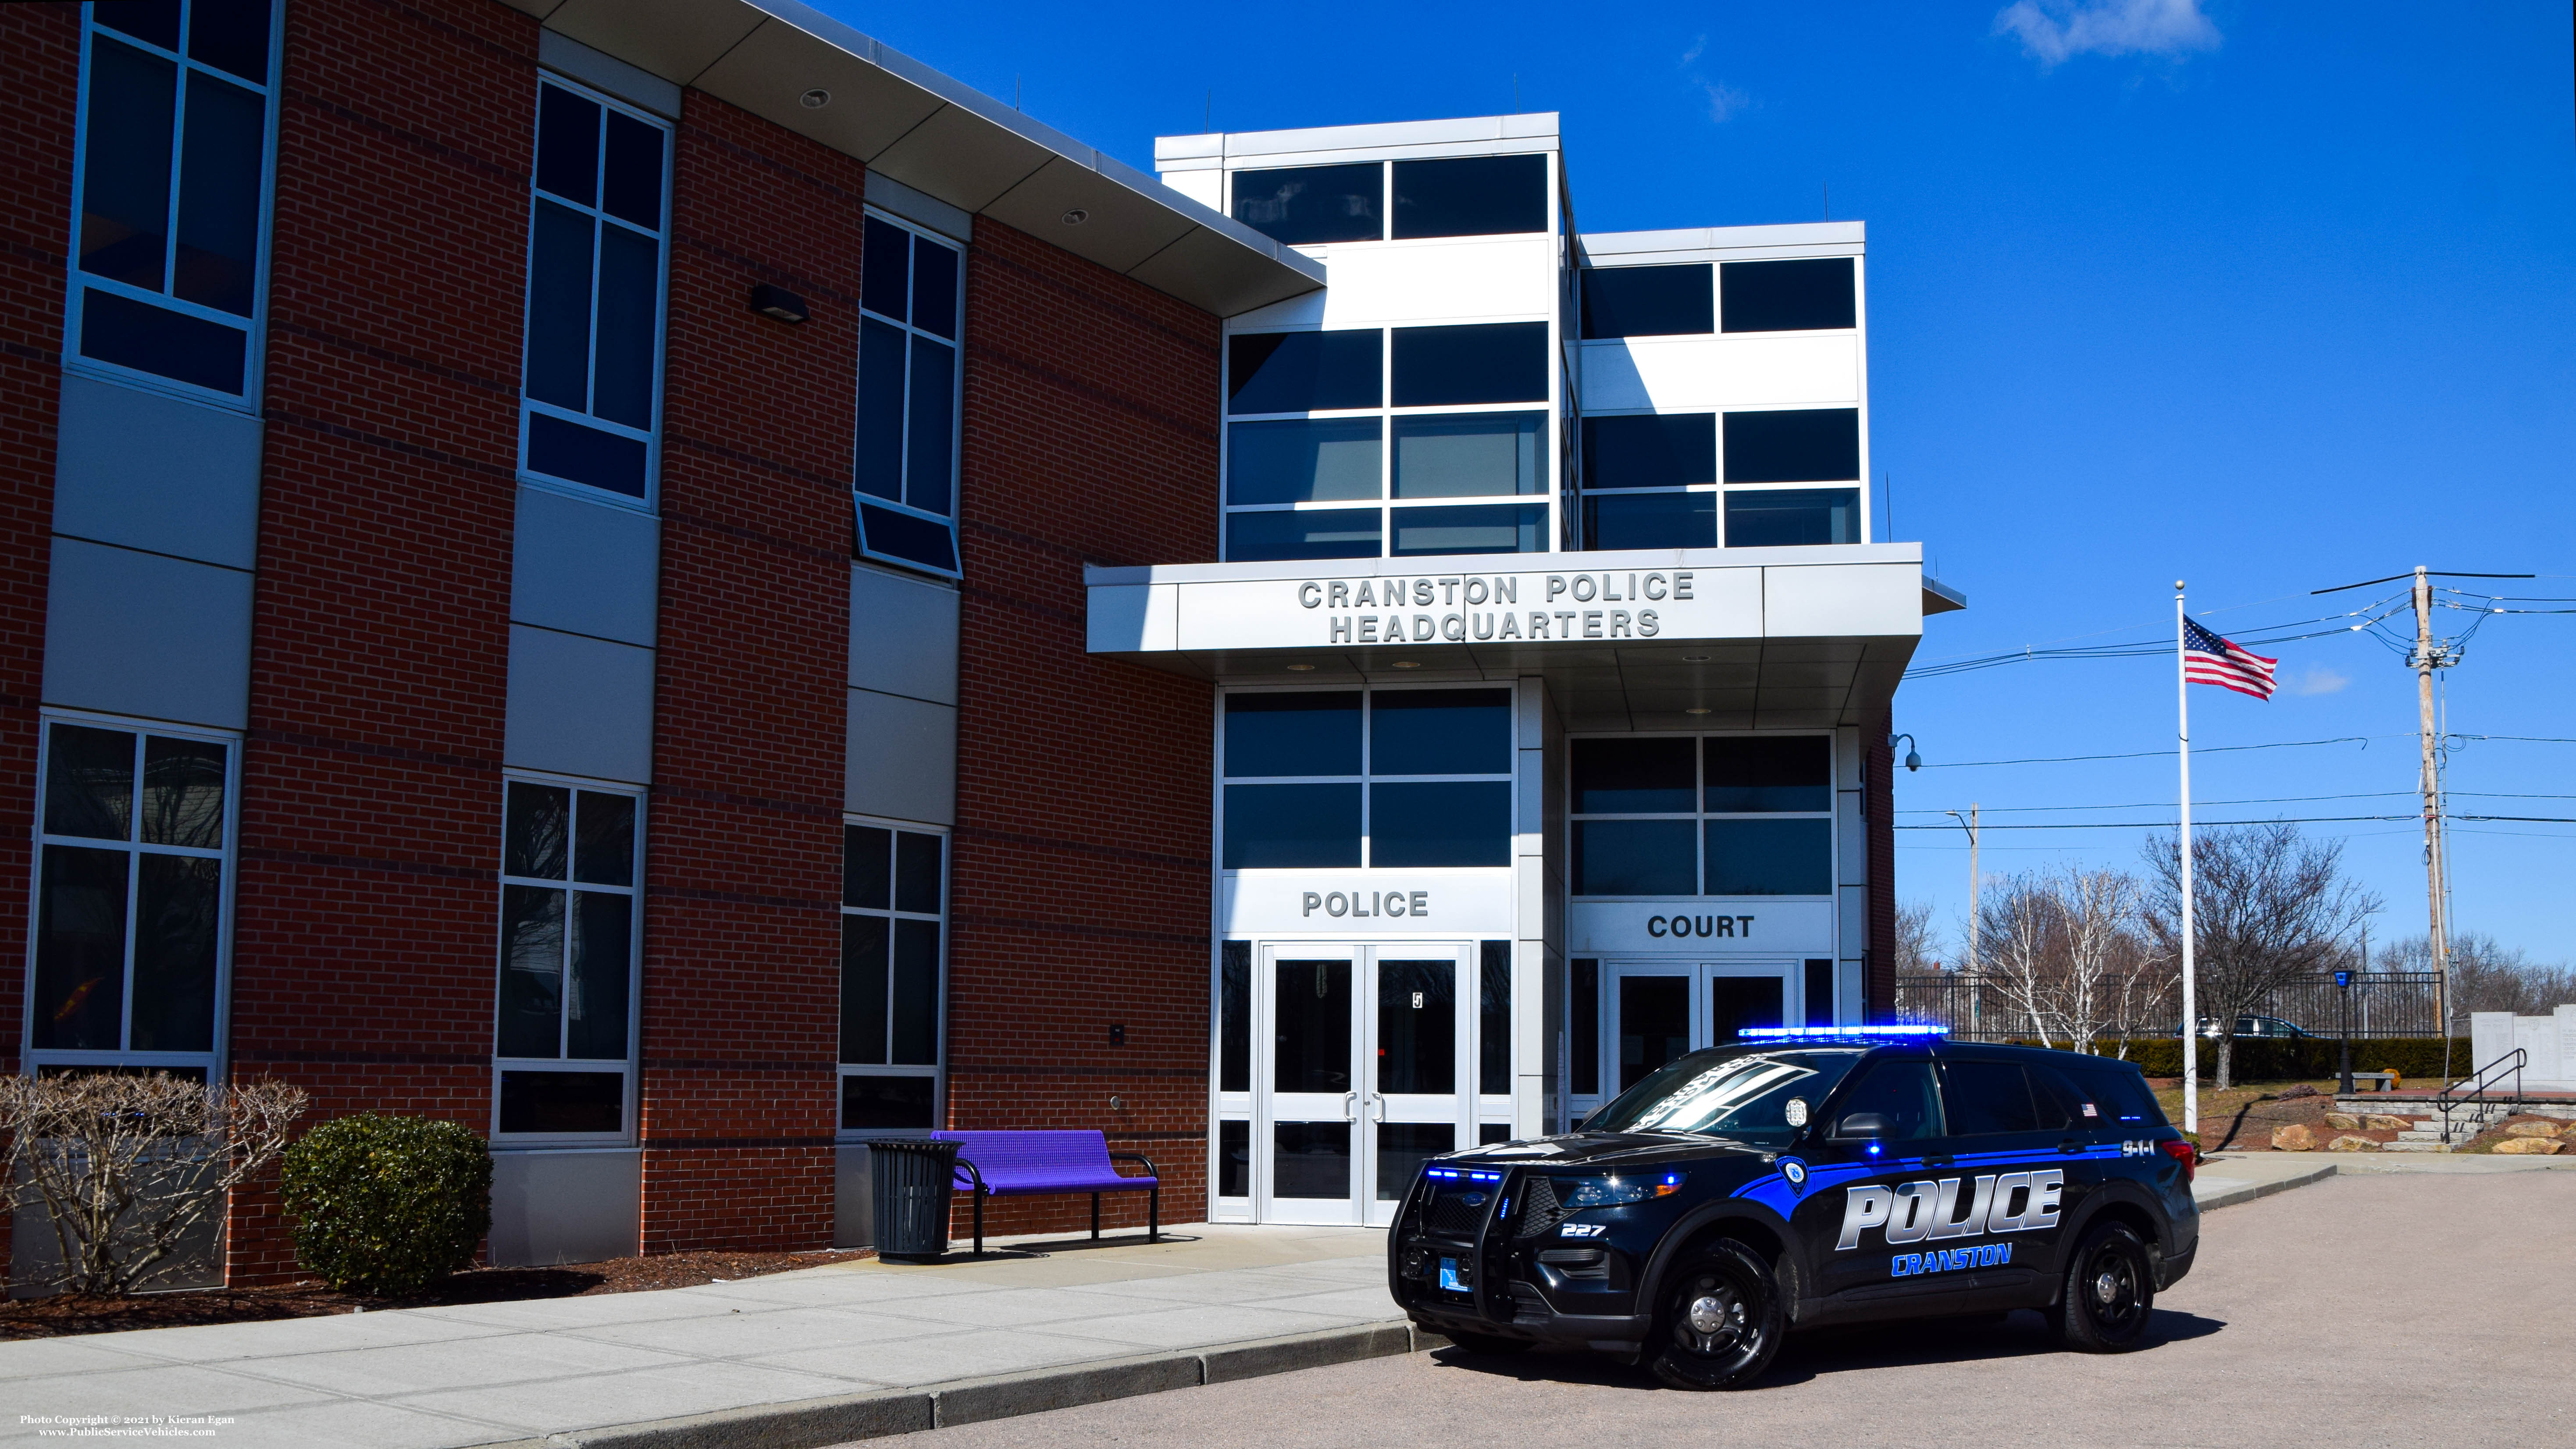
(2240, 1190)
(812, 1423)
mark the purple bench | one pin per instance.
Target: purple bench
(1025, 1164)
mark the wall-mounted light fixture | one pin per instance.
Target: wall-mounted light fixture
(1913, 761)
(779, 303)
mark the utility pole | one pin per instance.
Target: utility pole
(1976, 986)
(2437, 929)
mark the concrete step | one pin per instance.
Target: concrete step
(2401, 1145)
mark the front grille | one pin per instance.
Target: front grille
(1453, 1216)
(1540, 1210)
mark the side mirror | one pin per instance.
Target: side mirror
(1861, 1125)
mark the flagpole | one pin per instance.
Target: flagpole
(2190, 1017)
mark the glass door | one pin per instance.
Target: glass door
(1306, 1114)
(1650, 1016)
(1417, 1090)
(1741, 998)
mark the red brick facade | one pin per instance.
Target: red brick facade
(1080, 865)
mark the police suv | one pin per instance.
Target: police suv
(1809, 1176)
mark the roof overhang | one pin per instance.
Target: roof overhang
(941, 138)
(1743, 638)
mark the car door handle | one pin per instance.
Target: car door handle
(2070, 1145)
(1936, 1159)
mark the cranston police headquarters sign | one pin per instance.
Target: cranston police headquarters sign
(1480, 608)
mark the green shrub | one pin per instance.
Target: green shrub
(387, 1204)
(2416, 1060)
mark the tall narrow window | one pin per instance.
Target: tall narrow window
(912, 311)
(571, 926)
(134, 851)
(591, 395)
(894, 912)
(170, 231)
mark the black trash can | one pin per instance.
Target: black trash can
(909, 1180)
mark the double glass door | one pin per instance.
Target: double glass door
(1657, 1011)
(1364, 1071)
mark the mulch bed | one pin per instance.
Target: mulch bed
(65, 1314)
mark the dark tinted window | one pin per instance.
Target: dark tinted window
(1491, 529)
(1799, 296)
(1668, 450)
(1494, 1019)
(1327, 533)
(1469, 196)
(1234, 1020)
(1757, 772)
(885, 269)
(1784, 517)
(880, 1103)
(1302, 372)
(1633, 776)
(1902, 1093)
(1302, 460)
(1770, 857)
(1650, 520)
(2119, 1093)
(1464, 455)
(1820, 991)
(1439, 732)
(1302, 204)
(1634, 858)
(1648, 301)
(1803, 445)
(1987, 1097)
(1292, 734)
(1586, 1043)
(1498, 362)
(2062, 1104)
(1446, 822)
(1291, 825)
(229, 34)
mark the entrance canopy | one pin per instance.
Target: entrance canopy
(1731, 638)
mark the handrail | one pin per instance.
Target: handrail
(2511, 1063)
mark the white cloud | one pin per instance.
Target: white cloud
(2318, 679)
(2054, 31)
(1725, 102)
(1698, 48)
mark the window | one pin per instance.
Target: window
(912, 309)
(1392, 777)
(1470, 196)
(1986, 1098)
(134, 833)
(571, 933)
(170, 231)
(1494, 1018)
(1649, 301)
(1820, 991)
(1309, 428)
(1717, 815)
(894, 915)
(1776, 517)
(591, 399)
(1674, 454)
(1306, 205)
(1650, 520)
(1902, 1094)
(1802, 445)
(1796, 296)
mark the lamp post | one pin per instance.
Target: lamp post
(2343, 984)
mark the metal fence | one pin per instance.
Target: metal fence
(1977, 1007)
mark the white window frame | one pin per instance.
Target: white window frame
(254, 346)
(956, 415)
(937, 1070)
(650, 500)
(34, 1059)
(626, 1132)
(1700, 815)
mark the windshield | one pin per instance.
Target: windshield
(1743, 1093)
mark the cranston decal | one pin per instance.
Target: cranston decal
(1949, 1260)
(2011, 1202)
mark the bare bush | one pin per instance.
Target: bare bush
(1916, 951)
(124, 1166)
(2486, 975)
(2068, 957)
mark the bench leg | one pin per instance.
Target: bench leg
(979, 1224)
(1095, 1217)
(1154, 1213)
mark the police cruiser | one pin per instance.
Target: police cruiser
(1809, 1176)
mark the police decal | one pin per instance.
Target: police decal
(1930, 1208)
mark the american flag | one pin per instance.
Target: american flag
(2209, 659)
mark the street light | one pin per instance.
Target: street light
(2343, 983)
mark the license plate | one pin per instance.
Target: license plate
(1449, 1282)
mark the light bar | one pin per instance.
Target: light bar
(1899, 1030)
(1452, 1174)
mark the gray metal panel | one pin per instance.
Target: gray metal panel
(1125, 226)
(566, 1207)
(585, 568)
(1208, 269)
(888, 194)
(579, 706)
(903, 635)
(854, 1219)
(961, 158)
(141, 634)
(151, 472)
(902, 759)
(771, 70)
(674, 39)
(606, 72)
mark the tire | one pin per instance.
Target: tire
(1487, 1342)
(2109, 1293)
(1720, 1322)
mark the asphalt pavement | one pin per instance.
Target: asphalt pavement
(2402, 1308)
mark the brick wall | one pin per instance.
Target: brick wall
(363, 944)
(1081, 873)
(40, 54)
(743, 853)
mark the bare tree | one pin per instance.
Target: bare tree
(2066, 952)
(2487, 975)
(1916, 951)
(2017, 926)
(2268, 906)
(124, 1166)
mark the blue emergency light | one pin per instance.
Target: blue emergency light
(1895, 1030)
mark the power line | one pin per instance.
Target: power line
(2362, 740)
(2267, 800)
(2276, 820)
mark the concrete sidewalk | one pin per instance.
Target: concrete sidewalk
(497, 1372)
(2233, 1177)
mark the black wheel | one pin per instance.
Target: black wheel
(2110, 1291)
(1487, 1342)
(1720, 1322)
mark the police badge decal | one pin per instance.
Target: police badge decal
(1796, 1171)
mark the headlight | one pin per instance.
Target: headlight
(1593, 1192)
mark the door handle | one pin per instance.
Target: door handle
(1380, 1099)
(1936, 1159)
(2070, 1145)
(1350, 1106)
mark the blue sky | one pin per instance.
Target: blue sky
(2269, 298)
